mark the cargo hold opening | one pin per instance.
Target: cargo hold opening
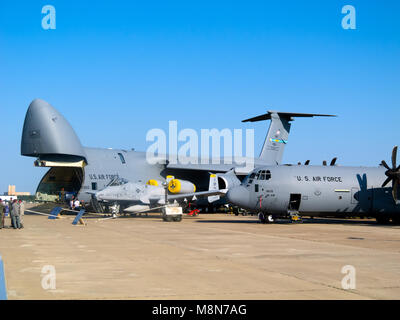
(60, 183)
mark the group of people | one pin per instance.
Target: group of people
(16, 210)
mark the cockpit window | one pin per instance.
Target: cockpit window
(260, 175)
(264, 175)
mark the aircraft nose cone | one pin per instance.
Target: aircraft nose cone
(239, 196)
(46, 132)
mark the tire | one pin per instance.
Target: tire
(396, 220)
(261, 217)
(382, 220)
(177, 218)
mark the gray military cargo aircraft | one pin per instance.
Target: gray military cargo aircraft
(283, 191)
(77, 170)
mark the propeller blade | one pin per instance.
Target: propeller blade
(386, 182)
(394, 157)
(307, 163)
(385, 164)
(324, 163)
(333, 162)
(394, 190)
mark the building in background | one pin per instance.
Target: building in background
(12, 192)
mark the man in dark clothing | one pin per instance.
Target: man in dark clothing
(2, 213)
(21, 213)
(15, 215)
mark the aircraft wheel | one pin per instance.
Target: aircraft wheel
(396, 220)
(178, 218)
(382, 220)
(261, 217)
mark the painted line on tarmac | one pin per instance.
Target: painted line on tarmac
(3, 288)
(44, 214)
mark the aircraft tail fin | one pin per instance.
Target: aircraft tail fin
(278, 133)
(213, 186)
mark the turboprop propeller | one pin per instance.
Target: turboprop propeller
(393, 174)
(333, 162)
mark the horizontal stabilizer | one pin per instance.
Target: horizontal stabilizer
(286, 115)
(278, 133)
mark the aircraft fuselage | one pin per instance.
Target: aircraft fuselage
(315, 191)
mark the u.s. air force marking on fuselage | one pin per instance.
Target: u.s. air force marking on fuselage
(319, 179)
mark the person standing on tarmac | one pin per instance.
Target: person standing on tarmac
(21, 213)
(10, 211)
(2, 213)
(15, 218)
(6, 210)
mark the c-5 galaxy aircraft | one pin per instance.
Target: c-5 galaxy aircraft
(281, 191)
(49, 137)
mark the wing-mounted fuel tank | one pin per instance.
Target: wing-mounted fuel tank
(177, 186)
(48, 135)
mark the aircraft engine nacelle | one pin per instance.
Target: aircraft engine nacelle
(177, 186)
(227, 181)
(154, 182)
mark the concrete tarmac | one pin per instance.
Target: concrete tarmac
(206, 257)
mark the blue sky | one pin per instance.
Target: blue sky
(117, 69)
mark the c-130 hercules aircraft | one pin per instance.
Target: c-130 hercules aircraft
(49, 137)
(283, 191)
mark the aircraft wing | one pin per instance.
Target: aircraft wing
(221, 168)
(200, 194)
(218, 168)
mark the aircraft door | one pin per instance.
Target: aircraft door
(294, 201)
(258, 196)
